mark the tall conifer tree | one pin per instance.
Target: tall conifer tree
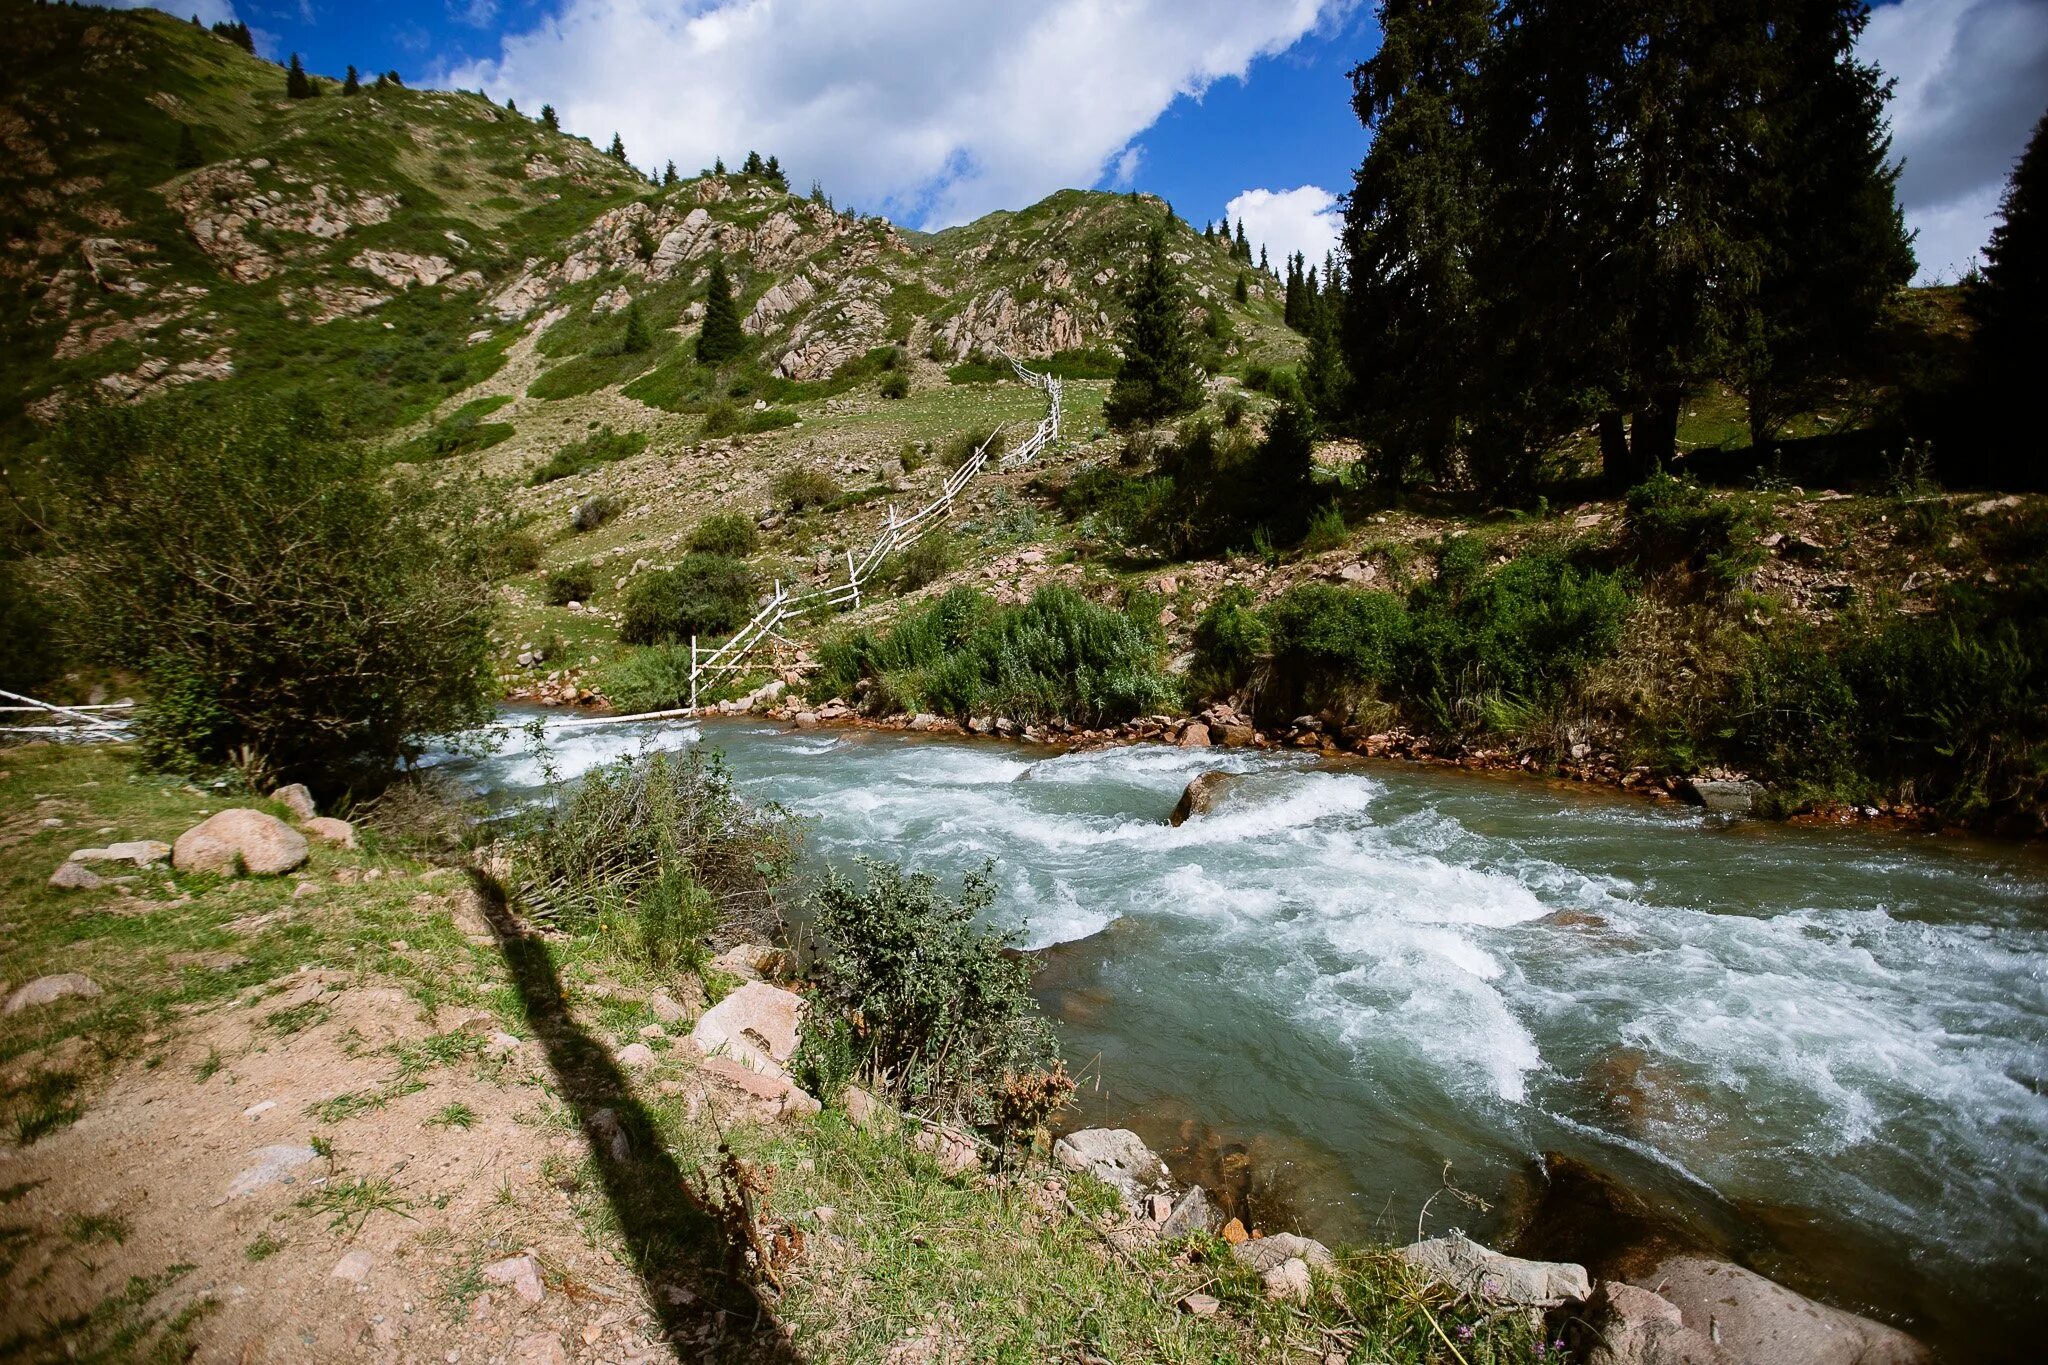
(721, 338)
(2009, 303)
(297, 86)
(1158, 378)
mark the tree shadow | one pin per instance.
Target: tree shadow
(682, 1254)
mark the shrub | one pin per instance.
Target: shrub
(571, 583)
(1672, 522)
(601, 447)
(896, 384)
(945, 1019)
(960, 449)
(656, 678)
(725, 533)
(1234, 409)
(1058, 656)
(464, 432)
(275, 590)
(663, 838)
(803, 486)
(514, 552)
(1230, 640)
(1324, 634)
(594, 511)
(931, 558)
(911, 457)
(1326, 530)
(703, 595)
(29, 656)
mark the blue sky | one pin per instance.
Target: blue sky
(935, 111)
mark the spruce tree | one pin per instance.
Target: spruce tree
(1283, 474)
(752, 165)
(350, 85)
(1158, 378)
(1823, 210)
(2009, 349)
(721, 339)
(296, 84)
(718, 166)
(1244, 248)
(511, 106)
(1264, 269)
(188, 149)
(637, 337)
(775, 175)
(1242, 290)
(549, 120)
(618, 149)
(668, 174)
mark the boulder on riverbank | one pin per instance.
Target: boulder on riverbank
(240, 840)
(1201, 796)
(1461, 1263)
(757, 1026)
(1756, 1320)
(1719, 796)
(1118, 1158)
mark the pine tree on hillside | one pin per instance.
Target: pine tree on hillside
(2009, 303)
(721, 338)
(1294, 296)
(718, 166)
(637, 337)
(296, 84)
(238, 34)
(1244, 248)
(1242, 290)
(668, 174)
(1264, 269)
(391, 77)
(549, 120)
(1283, 473)
(351, 84)
(752, 165)
(196, 24)
(774, 175)
(618, 149)
(511, 106)
(188, 149)
(1158, 378)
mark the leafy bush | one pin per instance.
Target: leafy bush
(927, 561)
(725, 419)
(274, 589)
(1230, 639)
(960, 449)
(802, 486)
(725, 533)
(571, 583)
(1058, 656)
(896, 384)
(515, 551)
(656, 678)
(942, 1011)
(1674, 522)
(703, 595)
(977, 370)
(594, 511)
(664, 839)
(911, 457)
(29, 656)
(580, 457)
(464, 432)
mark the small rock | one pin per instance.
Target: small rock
(1721, 798)
(1117, 1157)
(296, 799)
(1289, 1281)
(1630, 1326)
(1200, 1305)
(861, 1106)
(328, 830)
(354, 1267)
(258, 1110)
(1201, 796)
(141, 852)
(46, 989)
(607, 1132)
(274, 1165)
(653, 1031)
(501, 1044)
(1264, 1253)
(543, 1348)
(522, 1273)
(305, 889)
(1196, 736)
(237, 841)
(636, 1056)
(757, 1025)
(71, 876)
(1191, 1215)
(1234, 1233)
(1464, 1265)
(1158, 1207)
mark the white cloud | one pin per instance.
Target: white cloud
(1972, 82)
(210, 12)
(931, 110)
(1307, 219)
(475, 13)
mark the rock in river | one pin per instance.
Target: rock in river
(1201, 796)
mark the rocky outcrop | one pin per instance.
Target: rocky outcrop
(1756, 1320)
(221, 203)
(1624, 1325)
(778, 303)
(237, 841)
(995, 321)
(1264, 1253)
(848, 323)
(403, 270)
(757, 1026)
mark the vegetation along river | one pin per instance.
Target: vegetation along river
(1825, 1047)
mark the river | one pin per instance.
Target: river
(1828, 1043)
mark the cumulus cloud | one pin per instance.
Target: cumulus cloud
(930, 110)
(1972, 82)
(1307, 219)
(210, 12)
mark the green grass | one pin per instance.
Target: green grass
(348, 1204)
(453, 1115)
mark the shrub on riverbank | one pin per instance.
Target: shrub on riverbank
(938, 1011)
(703, 595)
(278, 593)
(1057, 657)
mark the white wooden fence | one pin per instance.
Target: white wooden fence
(706, 666)
(66, 722)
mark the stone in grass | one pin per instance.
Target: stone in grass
(1117, 1157)
(354, 1267)
(141, 852)
(296, 799)
(636, 1055)
(1264, 1253)
(1462, 1264)
(240, 840)
(45, 990)
(1200, 1305)
(757, 1026)
(521, 1272)
(328, 830)
(71, 876)
(1289, 1282)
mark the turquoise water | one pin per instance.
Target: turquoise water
(1830, 1043)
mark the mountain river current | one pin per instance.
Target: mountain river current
(1827, 1045)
